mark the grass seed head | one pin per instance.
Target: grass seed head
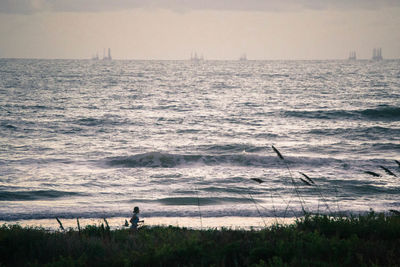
(306, 182)
(277, 152)
(258, 180)
(307, 177)
(372, 173)
(388, 171)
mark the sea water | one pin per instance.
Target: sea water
(182, 139)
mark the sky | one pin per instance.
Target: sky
(216, 29)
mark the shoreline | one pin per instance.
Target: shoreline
(229, 222)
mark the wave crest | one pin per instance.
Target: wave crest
(34, 195)
(166, 160)
(383, 112)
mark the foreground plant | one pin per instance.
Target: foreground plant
(372, 239)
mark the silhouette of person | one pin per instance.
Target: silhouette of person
(135, 219)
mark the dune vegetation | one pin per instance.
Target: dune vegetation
(315, 240)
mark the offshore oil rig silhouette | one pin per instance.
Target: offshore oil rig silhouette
(352, 55)
(105, 57)
(194, 57)
(377, 54)
(243, 57)
(108, 57)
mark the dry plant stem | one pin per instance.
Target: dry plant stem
(251, 199)
(198, 206)
(323, 198)
(337, 201)
(398, 163)
(287, 206)
(291, 177)
(288, 203)
(273, 204)
(273, 207)
(106, 222)
(296, 189)
(259, 213)
(79, 226)
(388, 171)
(311, 183)
(59, 222)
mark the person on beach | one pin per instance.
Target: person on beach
(135, 219)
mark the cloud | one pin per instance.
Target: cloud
(34, 6)
(24, 6)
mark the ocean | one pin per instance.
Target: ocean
(193, 140)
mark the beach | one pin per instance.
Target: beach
(182, 139)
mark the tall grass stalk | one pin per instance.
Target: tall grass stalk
(286, 209)
(273, 208)
(79, 226)
(398, 163)
(259, 213)
(305, 182)
(107, 225)
(198, 206)
(278, 153)
(388, 171)
(252, 200)
(311, 182)
(287, 206)
(61, 225)
(307, 177)
(258, 204)
(337, 199)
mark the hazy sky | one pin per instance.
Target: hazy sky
(218, 29)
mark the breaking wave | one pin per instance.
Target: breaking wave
(166, 160)
(383, 112)
(35, 195)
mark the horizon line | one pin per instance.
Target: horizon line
(188, 59)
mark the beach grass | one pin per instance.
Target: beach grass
(317, 240)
